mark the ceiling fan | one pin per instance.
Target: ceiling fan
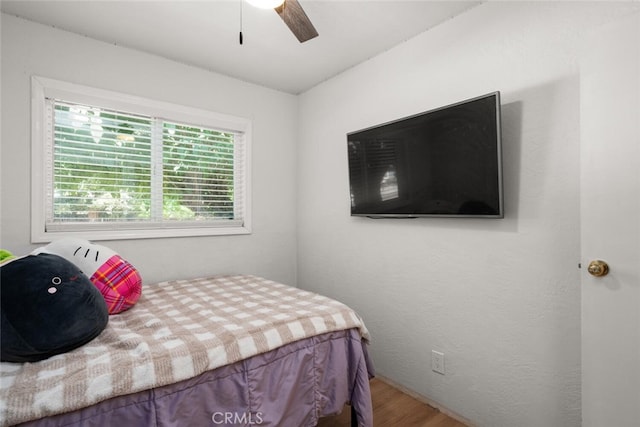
(292, 14)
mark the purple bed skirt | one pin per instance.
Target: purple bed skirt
(293, 385)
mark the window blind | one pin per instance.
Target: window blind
(115, 169)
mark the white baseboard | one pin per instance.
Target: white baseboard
(426, 400)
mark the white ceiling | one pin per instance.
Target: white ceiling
(205, 33)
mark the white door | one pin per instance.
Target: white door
(610, 224)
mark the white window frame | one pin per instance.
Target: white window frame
(43, 88)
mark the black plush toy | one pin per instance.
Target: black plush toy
(48, 307)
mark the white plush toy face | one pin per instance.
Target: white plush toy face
(84, 254)
(118, 281)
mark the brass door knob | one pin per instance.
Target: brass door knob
(598, 268)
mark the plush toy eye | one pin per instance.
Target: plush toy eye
(56, 281)
(52, 290)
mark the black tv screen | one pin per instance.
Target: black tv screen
(443, 163)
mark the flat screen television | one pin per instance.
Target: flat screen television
(445, 162)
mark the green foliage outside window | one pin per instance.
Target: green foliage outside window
(104, 168)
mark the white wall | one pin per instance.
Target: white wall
(500, 298)
(29, 48)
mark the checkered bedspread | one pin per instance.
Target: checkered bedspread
(177, 330)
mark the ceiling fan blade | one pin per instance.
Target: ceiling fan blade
(298, 22)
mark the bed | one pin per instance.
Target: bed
(235, 350)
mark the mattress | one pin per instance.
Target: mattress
(228, 350)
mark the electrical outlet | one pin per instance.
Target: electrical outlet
(437, 362)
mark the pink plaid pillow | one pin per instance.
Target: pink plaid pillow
(119, 283)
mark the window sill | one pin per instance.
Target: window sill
(134, 234)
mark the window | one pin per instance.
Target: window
(116, 166)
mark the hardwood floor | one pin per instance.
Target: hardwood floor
(392, 407)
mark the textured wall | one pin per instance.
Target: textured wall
(29, 48)
(500, 298)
